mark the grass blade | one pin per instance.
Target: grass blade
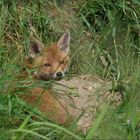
(93, 129)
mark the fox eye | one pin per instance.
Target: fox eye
(47, 64)
(62, 62)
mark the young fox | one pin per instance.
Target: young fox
(49, 63)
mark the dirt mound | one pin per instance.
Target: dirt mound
(82, 96)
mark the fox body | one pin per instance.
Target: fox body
(49, 63)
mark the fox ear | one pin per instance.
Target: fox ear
(35, 47)
(64, 41)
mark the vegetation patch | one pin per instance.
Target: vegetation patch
(105, 41)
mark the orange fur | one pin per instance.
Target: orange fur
(48, 62)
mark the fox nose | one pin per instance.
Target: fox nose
(59, 74)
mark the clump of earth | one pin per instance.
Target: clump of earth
(84, 95)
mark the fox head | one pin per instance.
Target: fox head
(50, 62)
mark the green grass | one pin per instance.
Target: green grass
(105, 42)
